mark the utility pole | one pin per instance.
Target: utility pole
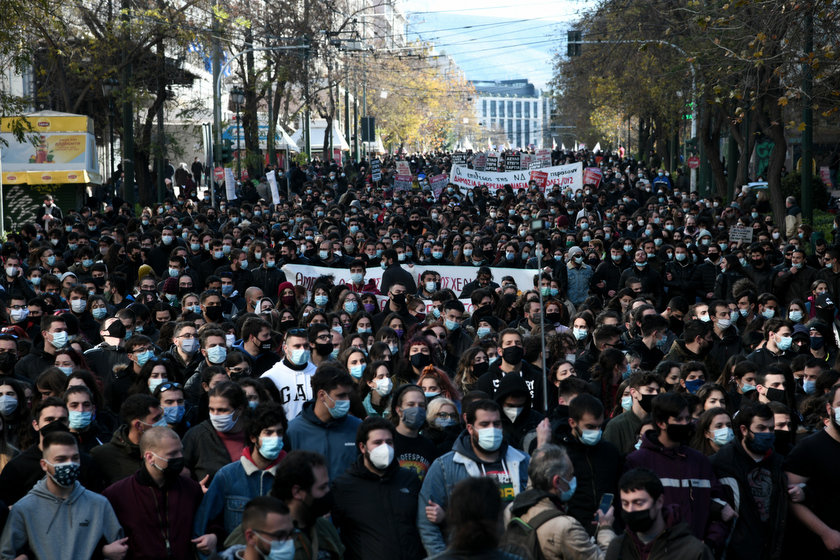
(217, 106)
(808, 121)
(128, 112)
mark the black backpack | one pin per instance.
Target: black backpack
(521, 537)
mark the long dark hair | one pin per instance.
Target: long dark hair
(474, 509)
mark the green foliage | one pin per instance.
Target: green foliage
(792, 186)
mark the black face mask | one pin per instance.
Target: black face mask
(324, 348)
(214, 313)
(784, 441)
(637, 521)
(420, 361)
(286, 325)
(321, 506)
(173, 469)
(680, 433)
(398, 299)
(480, 369)
(646, 402)
(7, 362)
(513, 355)
(776, 395)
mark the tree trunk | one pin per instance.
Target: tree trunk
(771, 125)
(710, 125)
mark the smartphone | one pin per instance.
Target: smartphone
(606, 502)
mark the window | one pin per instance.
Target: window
(501, 108)
(519, 133)
(510, 108)
(527, 129)
(518, 109)
(493, 108)
(527, 110)
(484, 108)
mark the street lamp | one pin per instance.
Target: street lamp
(109, 88)
(237, 96)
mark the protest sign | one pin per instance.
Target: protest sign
(230, 184)
(480, 161)
(740, 234)
(402, 182)
(540, 178)
(525, 161)
(403, 168)
(459, 158)
(492, 163)
(272, 183)
(437, 183)
(543, 158)
(512, 162)
(375, 170)
(592, 176)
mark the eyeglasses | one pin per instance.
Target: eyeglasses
(297, 332)
(445, 415)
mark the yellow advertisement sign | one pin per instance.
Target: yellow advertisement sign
(49, 122)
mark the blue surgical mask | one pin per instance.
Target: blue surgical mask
(626, 403)
(795, 315)
(280, 550)
(321, 300)
(270, 447)
(217, 354)
(746, 388)
(451, 325)
(809, 386)
(566, 495)
(144, 357)
(79, 420)
(351, 306)
(414, 417)
(482, 331)
(357, 370)
(339, 408)
(590, 437)
(173, 414)
(299, 356)
(722, 436)
(490, 439)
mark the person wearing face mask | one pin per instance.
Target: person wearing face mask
(763, 508)
(268, 275)
(579, 274)
(480, 451)
(622, 431)
(293, 373)
(413, 451)
(42, 355)
(358, 273)
(118, 383)
(695, 492)
(396, 304)
(512, 352)
(251, 476)
(13, 280)
(727, 339)
(650, 528)
(121, 456)
(44, 523)
(695, 345)
(393, 273)
(777, 345)
(256, 344)
(791, 283)
(543, 506)
(373, 484)
(324, 425)
(159, 487)
(184, 356)
(89, 431)
(267, 532)
(654, 328)
(812, 465)
(222, 438)
(518, 416)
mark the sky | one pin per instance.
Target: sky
(496, 39)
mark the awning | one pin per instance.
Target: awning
(316, 136)
(61, 148)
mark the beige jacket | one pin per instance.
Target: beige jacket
(564, 538)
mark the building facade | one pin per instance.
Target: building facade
(515, 107)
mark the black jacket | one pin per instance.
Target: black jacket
(395, 274)
(490, 382)
(102, 358)
(34, 363)
(118, 458)
(377, 516)
(527, 420)
(680, 282)
(752, 538)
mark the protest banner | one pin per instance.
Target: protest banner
(525, 161)
(543, 158)
(451, 277)
(375, 170)
(459, 158)
(512, 162)
(561, 175)
(592, 176)
(403, 168)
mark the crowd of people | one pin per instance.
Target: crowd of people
(658, 388)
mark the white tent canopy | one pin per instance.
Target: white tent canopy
(317, 127)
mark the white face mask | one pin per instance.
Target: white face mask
(384, 386)
(381, 456)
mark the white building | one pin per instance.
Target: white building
(516, 107)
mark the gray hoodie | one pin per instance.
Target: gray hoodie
(59, 528)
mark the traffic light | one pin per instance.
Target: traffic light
(226, 155)
(573, 42)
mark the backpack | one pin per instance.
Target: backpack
(522, 537)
